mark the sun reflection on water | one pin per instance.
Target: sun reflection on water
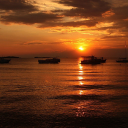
(81, 83)
(80, 67)
(80, 77)
(80, 92)
(80, 72)
(80, 111)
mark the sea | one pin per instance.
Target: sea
(64, 95)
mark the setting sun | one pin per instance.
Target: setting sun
(81, 48)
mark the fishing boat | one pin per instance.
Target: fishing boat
(102, 60)
(3, 60)
(92, 60)
(49, 61)
(123, 60)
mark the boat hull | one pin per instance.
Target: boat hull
(49, 61)
(122, 61)
(2, 61)
(90, 62)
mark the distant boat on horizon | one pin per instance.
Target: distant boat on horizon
(49, 61)
(3, 60)
(92, 60)
(123, 60)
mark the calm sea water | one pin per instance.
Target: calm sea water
(64, 95)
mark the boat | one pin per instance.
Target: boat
(102, 60)
(92, 60)
(3, 60)
(123, 60)
(49, 61)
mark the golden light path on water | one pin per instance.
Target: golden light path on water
(80, 112)
(80, 77)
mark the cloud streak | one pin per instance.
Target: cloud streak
(28, 13)
(17, 5)
(85, 8)
(31, 18)
(82, 13)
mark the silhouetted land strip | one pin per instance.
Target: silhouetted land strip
(10, 57)
(42, 57)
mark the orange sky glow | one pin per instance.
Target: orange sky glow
(63, 27)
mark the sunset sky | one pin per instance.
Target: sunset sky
(63, 27)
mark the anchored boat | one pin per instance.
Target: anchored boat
(123, 60)
(92, 60)
(3, 60)
(48, 61)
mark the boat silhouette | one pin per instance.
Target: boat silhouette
(3, 60)
(49, 61)
(123, 60)
(92, 60)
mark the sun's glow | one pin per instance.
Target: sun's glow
(81, 48)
